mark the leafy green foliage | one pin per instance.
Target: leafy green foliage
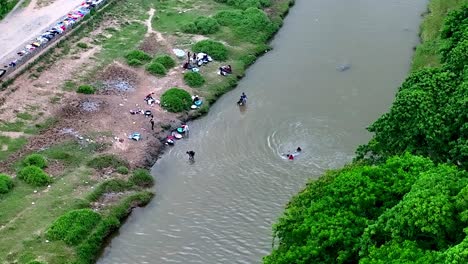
(36, 160)
(106, 161)
(244, 4)
(156, 68)
(113, 185)
(215, 49)
(142, 177)
(166, 61)
(137, 55)
(202, 25)
(122, 170)
(34, 175)
(86, 89)
(403, 209)
(430, 114)
(88, 249)
(176, 100)
(194, 79)
(73, 226)
(134, 62)
(6, 183)
(251, 25)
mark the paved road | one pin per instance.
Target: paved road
(26, 23)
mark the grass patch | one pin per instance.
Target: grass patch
(86, 89)
(40, 127)
(16, 126)
(73, 226)
(427, 53)
(106, 161)
(194, 79)
(25, 116)
(69, 86)
(71, 153)
(142, 178)
(10, 145)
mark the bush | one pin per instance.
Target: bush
(114, 185)
(194, 79)
(106, 161)
(252, 25)
(138, 55)
(86, 89)
(166, 61)
(6, 183)
(34, 175)
(82, 45)
(244, 4)
(135, 62)
(122, 170)
(176, 100)
(156, 68)
(202, 25)
(36, 160)
(35, 262)
(213, 48)
(142, 177)
(74, 226)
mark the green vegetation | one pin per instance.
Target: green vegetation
(142, 178)
(73, 226)
(176, 100)
(137, 56)
(427, 53)
(6, 183)
(166, 61)
(156, 68)
(34, 175)
(215, 49)
(390, 206)
(243, 4)
(82, 45)
(194, 79)
(86, 89)
(6, 6)
(106, 161)
(10, 145)
(122, 170)
(202, 25)
(35, 160)
(251, 25)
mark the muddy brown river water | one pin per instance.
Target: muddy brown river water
(221, 208)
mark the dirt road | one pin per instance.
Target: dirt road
(26, 23)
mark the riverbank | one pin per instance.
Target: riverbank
(401, 199)
(84, 138)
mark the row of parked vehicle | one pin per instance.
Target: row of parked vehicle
(54, 32)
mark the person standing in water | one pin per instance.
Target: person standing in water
(191, 154)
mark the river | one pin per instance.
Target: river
(221, 208)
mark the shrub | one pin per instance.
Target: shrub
(34, 175)
(156, 68)
(166, 61)
(142, 177)
(106, 161)
(213, 48)
(36, 160)
(82, 45)
(252, 25)
(86, 89)
(122, 170)
(244, 4)
(74, 226)
(35, 262)
(6, 183)
(114, 185)
(202, 25)
(176, 100)
(134, 62)
(194, 79)
(138, 55)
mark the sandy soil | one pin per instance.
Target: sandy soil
(25, 23)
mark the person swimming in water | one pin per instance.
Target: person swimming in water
(298, 149)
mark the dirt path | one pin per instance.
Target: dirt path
(23, 24)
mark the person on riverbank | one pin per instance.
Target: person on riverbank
(191, 154)
(152, 123)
